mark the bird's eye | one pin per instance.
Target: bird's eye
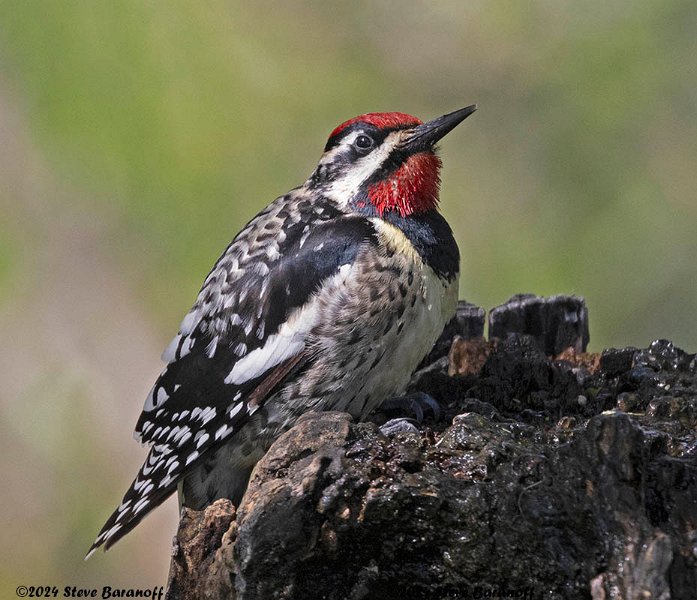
(363, 142)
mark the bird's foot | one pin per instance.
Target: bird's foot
(400, 425)
(414, 405)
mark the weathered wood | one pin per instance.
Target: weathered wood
(568, 476)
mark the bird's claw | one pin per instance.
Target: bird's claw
(416, 404)
(400, 425)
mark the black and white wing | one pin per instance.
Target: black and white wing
(245, 335)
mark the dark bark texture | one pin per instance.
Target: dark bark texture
(567, 476)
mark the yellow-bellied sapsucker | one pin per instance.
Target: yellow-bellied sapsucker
(327, 300)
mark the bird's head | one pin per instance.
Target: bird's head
(385, 161)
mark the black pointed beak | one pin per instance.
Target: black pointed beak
(424, 136)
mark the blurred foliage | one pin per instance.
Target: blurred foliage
(172, 124)
(7, 259)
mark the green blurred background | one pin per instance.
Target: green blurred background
(136, 138)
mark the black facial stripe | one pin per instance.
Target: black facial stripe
(396, 159)
(327, 172)
(378, 135)
(372, 131)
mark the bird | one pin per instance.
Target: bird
(327, 299)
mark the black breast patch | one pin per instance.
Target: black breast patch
(433, 239)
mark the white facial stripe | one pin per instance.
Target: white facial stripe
(340, 148)
(344, 188)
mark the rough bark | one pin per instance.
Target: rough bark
(572, 477)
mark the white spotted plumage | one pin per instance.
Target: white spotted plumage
(322, 302)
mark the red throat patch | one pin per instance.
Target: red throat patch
(411, 189)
